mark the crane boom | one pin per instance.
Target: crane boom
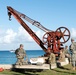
(33, 22)
(26, 27)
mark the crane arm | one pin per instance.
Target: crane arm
(26, 27)
(33, 22)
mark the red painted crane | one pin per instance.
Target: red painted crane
(52, 40)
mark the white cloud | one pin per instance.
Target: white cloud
(7, 36)
(73, 33)
(10, 36)
(21, 36)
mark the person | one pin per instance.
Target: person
(62, 56)
(51, 58)
(73, 49)
(66, 51)
(20, 54)
(67, 54)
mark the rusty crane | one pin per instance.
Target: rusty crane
(52, 40)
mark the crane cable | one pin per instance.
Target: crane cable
(33, 22)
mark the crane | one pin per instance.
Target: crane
(52, 40)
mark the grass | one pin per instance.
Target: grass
(66, 70)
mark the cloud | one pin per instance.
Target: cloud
(8, 36)
(23, 35)
(73, 32)
(20, 36)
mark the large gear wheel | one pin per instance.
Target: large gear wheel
(65, 34)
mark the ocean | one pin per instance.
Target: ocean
(7, 57)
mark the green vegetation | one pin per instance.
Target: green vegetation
(6, 72)
(66, 70)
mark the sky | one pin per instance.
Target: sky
(52, 14)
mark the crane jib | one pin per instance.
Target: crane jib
(25, 26)
(33, 22)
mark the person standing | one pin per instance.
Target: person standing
(67, 53)
(73, 49)
(20, 54)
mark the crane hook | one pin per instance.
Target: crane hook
(9, 14)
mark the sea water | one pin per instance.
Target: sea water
(8, 57)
